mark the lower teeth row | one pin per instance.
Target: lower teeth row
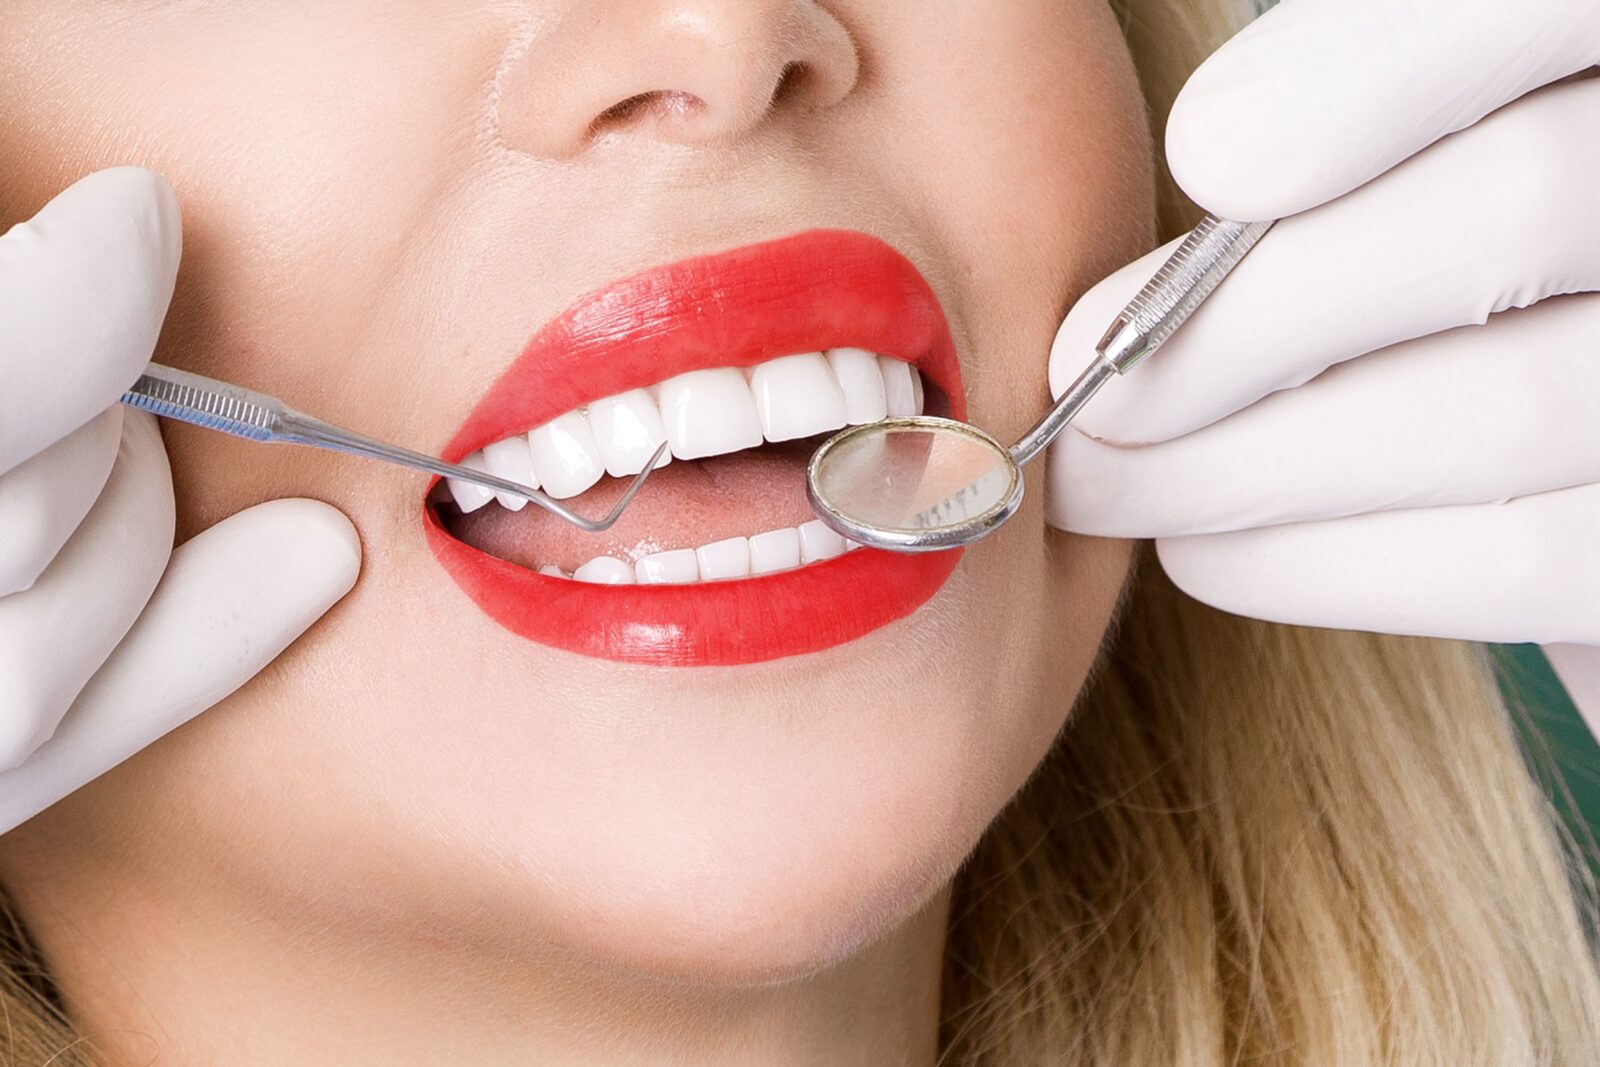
(736, 557)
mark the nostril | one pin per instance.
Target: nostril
(791, 82)
(664, 103)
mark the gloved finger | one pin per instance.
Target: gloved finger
(1524, 570)
(1495, 217)
(233, 598)
(86, 285)
(1318, 96)
(43, 499)
(1471, 415)
(55, 635)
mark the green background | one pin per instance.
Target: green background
(1562, 753)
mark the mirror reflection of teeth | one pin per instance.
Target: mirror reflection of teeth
(732, 557)
(701, 413)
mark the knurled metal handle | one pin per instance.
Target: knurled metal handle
(1195, 268)
(176, 394)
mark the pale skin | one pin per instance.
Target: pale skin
(417, 838)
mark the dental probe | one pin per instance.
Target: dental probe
(233, 409)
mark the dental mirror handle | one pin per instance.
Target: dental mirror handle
(1181, 284)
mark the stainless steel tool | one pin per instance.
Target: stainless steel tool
(232, 409)
(924, 483)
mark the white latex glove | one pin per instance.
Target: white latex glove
(108, 637)
(1443, 477)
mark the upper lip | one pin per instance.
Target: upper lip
(728, 309)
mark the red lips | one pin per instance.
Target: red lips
(816, 290)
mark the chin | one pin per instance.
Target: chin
(766, 898)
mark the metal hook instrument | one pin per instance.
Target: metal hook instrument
(233, 409)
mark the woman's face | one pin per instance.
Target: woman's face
(385, 207)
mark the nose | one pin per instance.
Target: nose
(690, 72)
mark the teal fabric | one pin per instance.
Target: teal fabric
(1564, 755)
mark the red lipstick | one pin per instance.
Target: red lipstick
(812, 291)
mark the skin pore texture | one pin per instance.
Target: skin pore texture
(416, 837)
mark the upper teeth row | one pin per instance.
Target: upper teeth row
(701, 413)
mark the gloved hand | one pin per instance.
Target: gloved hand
(108, 637)
(1355, 431)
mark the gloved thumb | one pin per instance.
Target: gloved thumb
(1317, 97)
(232, 598)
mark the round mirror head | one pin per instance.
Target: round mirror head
(913, 484)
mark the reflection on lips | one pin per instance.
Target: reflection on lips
(819, 290)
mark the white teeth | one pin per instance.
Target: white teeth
(565, 455)
(775, 550)
(677, 567)
(797, 396)
(708, 413)
(818, 542)
(861, 382)
(900, 396)
(510, 459)
(701, 413)
(470, 497)
(628, 429)
(724, 559)
(733, 557)
(605, 570)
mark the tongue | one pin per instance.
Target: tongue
(686, 504)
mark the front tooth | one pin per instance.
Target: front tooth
(917, 397)
(861, 382)
(605, 570)
(470, 497)
(818, 541)
(553, 571)
(797, 396)
(709, 412)
(898, 393)
(510, 459)
(775, 550)
(675, 567)
(565, 455)
(724, 559)
(628, 429)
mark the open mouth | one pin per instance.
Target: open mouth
(742, 362)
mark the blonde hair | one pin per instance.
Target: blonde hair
(1269, 844)
(1252, 844)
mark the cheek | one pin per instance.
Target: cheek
(1038, 175)
(308, 174)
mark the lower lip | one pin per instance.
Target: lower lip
(707, 624)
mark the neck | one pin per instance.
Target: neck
(186, 971)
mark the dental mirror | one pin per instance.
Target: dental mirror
(913, 484)
(925, 483)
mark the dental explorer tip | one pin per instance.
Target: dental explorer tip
(633, 489)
